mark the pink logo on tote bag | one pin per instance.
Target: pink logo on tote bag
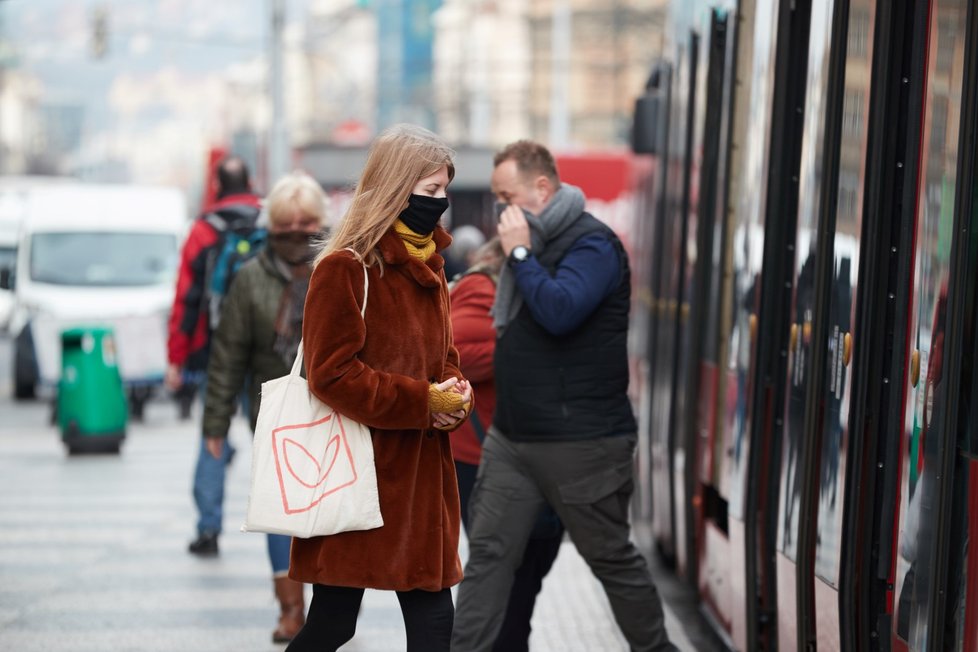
(312, 461)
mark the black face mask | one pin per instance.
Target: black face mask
(294, 247)
(423, 213)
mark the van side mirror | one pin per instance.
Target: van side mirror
(6, 279)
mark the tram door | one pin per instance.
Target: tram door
(816, 413)
(730, 578)
(854, 28)
(930, 582)
(707, 558)
(708, 553)
(672, 223)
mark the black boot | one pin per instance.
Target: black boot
(204, 545)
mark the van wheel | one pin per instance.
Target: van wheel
(25, 374)
(24, 385)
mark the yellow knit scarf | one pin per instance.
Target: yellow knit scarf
(419, 246)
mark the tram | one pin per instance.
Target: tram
(805, 262)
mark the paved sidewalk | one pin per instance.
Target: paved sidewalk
(572, 614)
(93, 556)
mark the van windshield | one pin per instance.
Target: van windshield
(8, 261)
(103, 259)
(8, 256)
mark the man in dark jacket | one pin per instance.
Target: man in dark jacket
(563, 432)
(190, 330)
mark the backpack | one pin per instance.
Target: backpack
(238, 242)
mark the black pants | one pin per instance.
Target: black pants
(332, 619)
(538, 557)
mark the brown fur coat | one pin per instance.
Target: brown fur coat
(379, 375)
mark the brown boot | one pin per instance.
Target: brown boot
(292, 603)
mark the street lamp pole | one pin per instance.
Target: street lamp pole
(278, 141)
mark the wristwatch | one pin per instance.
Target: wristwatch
(518, 254)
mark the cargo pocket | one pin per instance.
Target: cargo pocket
(597, 486)
(595, 511)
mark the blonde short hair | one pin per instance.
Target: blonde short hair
(400, 156)
(296, 191)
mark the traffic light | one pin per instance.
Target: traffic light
(100, 32)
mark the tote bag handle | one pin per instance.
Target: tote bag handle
(297, 365)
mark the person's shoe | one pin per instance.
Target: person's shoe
(204, 545)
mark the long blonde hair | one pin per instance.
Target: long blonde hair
(400, 156)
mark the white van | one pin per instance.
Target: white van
(9, 228)
(95, 255)
(13, 205)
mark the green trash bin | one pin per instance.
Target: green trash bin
(91, 407)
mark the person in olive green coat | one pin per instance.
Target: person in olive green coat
(257, 340)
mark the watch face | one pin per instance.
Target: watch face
(520, 253)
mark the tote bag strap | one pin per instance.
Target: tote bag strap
(297, 365)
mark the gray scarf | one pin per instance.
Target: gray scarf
(564, 208)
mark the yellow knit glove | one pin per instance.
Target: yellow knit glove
(441, 401)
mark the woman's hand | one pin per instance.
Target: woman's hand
(448, 420)
(464, 388)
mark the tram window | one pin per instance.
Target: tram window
(849, 185)
(859, 33)
(852, 113)
(938, 124)
(946, 32)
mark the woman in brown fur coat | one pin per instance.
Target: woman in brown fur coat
(396, 371)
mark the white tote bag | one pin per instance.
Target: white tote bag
(312, 469)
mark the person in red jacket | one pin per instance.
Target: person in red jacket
(472, 297)
(190, 331)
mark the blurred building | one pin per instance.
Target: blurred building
(367, 64)
(612, 44)
(20, 93)
(481, 76)
(57, 135)
(565, 72)
(480, 72)
(339, 69)
(105, 168)
(405, 40)
(245, 116)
